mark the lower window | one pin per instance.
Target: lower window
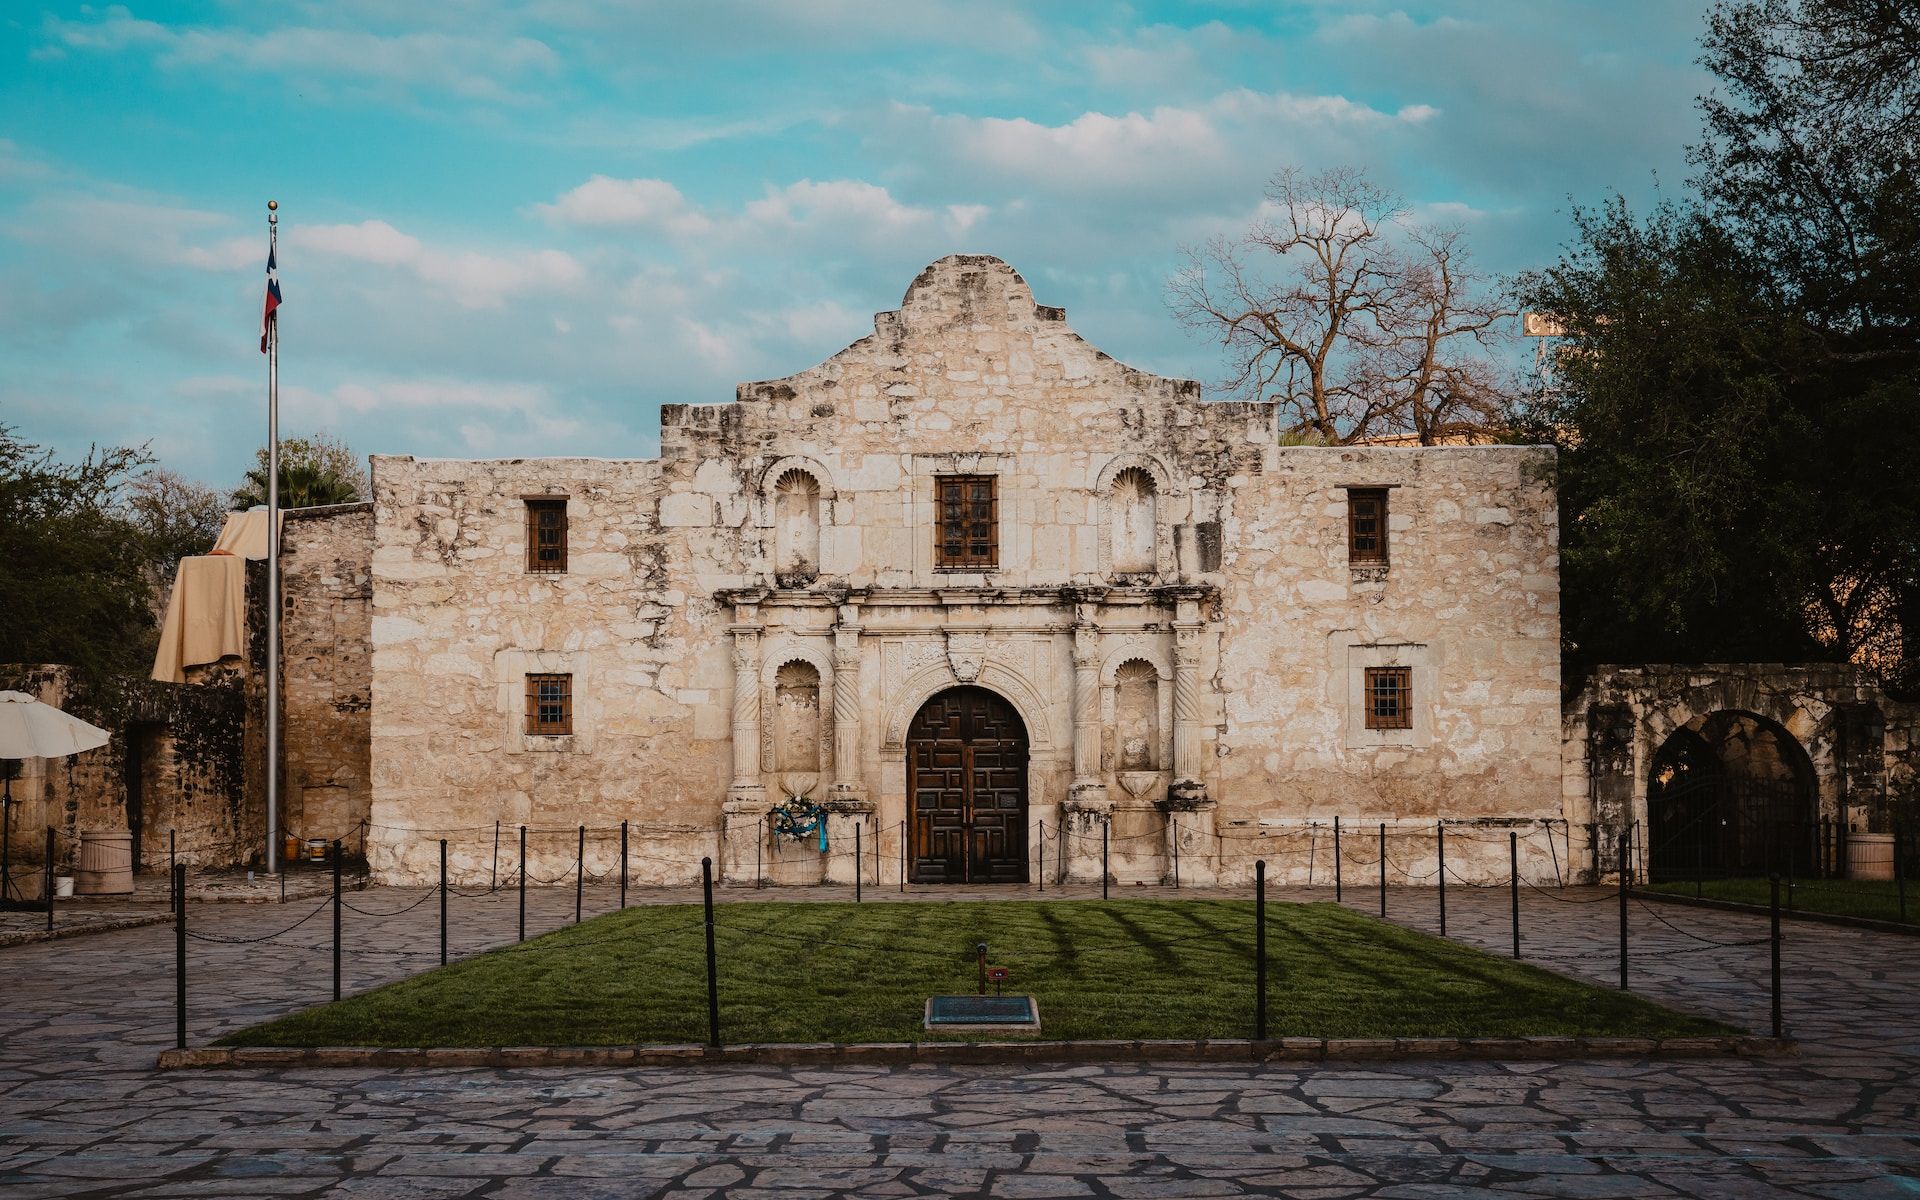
(1389, 697)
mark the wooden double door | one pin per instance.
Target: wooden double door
(967, 789)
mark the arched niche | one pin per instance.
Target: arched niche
(1136, 523)
(796, 705)
(1136, 704)
(795, 505)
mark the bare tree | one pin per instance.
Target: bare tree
(1358, 324)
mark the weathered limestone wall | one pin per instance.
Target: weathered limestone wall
(327, 682)
(457, 623)
(1470, 600)
(758, 614)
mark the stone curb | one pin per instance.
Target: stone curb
(26, 937)
(1761, 910)
(1281, 1050)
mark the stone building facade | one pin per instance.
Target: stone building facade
(983, 593)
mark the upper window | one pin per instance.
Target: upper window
(550, 705)
(546, 533)
(969, 514)
(1367, 526)
(1389, 698)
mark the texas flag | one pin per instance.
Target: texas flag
(273, 300)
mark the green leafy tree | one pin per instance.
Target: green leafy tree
(75, 586)
(1734, 396)
(314, 471)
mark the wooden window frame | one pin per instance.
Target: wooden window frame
(1381, 683)
(538, 722)
(974, 554)
(536, 507)
(1357, 500)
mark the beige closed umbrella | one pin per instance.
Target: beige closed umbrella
(30, 729)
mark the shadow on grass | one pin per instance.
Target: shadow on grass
(1130, 969)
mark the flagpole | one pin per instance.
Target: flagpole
(273, 564)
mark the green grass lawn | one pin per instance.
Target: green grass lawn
(861, 973)
(1843, 897)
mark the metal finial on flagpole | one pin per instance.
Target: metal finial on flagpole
(273, 563)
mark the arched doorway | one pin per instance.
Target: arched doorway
(1731, 793)
(967, 789)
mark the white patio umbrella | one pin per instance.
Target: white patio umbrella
(30, 729)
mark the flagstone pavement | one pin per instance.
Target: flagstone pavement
(84, 1114)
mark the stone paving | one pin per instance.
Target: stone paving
(82, 1113)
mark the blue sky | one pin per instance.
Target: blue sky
(516, 227)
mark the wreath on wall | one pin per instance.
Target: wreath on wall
(798, 818)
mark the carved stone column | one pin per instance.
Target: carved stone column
(847, 783)
(746, 714)
(1088, 810)
(1089, 786)
(1190, 811)
(847, 804)
(743, 816)
(1187, 782)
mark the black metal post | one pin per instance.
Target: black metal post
(1513, 884)
(1896, 855)
(336, 918)
(1699, 859)
(713, 965)
(493, 873)
(1899, 866)
(6, 834)
(1176, 853)
(1337, 885)
(523, 883)
(1773, 913)
(1624, 844)
(1043, 855)
(177, 877)
(1260, 950)
(903, 854)
(1383, 868)
(759, 872)
(859, 857)
(171, 860)
(443, 902)
(580, 875)
(1440, 840)
(623, 864)
(1106, 830)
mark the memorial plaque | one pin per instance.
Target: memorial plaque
(982, 1012)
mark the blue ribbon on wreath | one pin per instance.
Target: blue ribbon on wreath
(798, 819)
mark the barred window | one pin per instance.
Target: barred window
(550, 705)
(1389, 697)
(969, 528)
(546, 533)
(1367, 526)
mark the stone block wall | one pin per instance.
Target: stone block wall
(173, 767)
(326, 566)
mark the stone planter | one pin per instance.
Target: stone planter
(1869, 856)
(106, 863)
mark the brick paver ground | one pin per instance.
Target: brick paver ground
(82, 1113)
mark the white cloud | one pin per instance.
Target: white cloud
(1169, 148)
(469, 278)
(630, 203)
(850, 212)
(474, 67)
